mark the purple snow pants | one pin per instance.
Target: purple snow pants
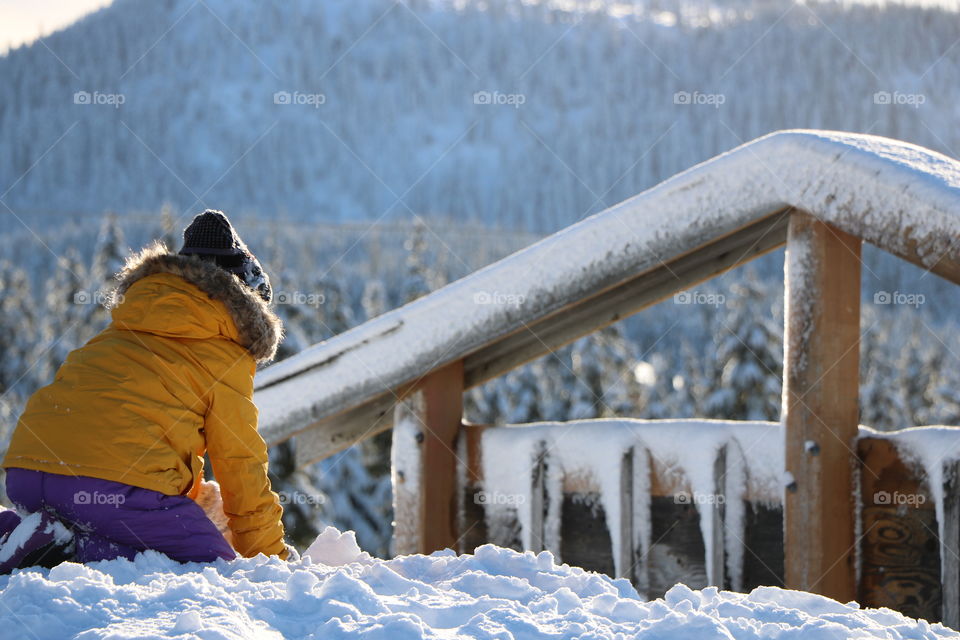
(111, 519)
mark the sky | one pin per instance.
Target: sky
(22, 21)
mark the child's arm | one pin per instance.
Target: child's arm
(239, 458)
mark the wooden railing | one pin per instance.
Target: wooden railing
(699, 502)
(822, 194)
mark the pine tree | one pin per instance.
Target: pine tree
(374, 300)
(604, 384)
(556, 380)
(881, 403)
(109, 253)
(749, 356)
(169, 235)
(417, 282)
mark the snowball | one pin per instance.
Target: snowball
(334, 548)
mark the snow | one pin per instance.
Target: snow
(890, 193)
(595, 449)
(16, 539)
(335, 548)
(495, 593)
(405, 470)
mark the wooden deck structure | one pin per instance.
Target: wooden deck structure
(819, 193)
(905, 564)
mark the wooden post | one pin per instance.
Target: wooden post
(950, 546)
(425, 489)
(820, 405)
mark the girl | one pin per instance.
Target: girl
(112, 450)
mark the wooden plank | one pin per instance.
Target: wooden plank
(504, 529)
(473, 440)
(900, 553)
(590, 314)
(332, 435)
(584, 534)
(763, 546)
(666, 481)
(950, 546)
(822, 358)
(473, 524)
(443, 412)
(945, 265)
(473, 519)
(677, 552)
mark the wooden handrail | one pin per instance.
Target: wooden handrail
(897, 196)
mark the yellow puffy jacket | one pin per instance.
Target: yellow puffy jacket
(171, 378)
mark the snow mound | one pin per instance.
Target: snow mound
(335, 548)
(495, 593)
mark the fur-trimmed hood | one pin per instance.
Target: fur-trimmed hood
(258, 327)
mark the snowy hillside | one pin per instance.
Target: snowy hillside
(519, 115)
(336, 592)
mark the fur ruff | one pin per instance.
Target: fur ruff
(259, 327)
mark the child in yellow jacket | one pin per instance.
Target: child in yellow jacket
(112, 450)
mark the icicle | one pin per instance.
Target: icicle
(406, 467)
(735, 494)
(642, 524)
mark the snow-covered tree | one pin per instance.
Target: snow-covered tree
(749, 355)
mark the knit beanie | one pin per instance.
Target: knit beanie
(211, 237)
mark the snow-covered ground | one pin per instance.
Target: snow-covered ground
(336, 591)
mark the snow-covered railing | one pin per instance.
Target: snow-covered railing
(700, 502)
(699, 223)
(821, 193)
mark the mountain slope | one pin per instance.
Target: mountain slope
(580, 110)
